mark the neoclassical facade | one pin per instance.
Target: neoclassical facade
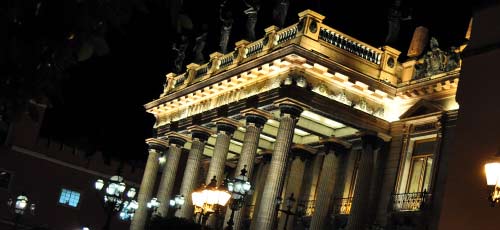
(355, 135)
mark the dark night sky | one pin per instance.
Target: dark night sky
(103, 98)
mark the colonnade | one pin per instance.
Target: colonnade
(271, 173)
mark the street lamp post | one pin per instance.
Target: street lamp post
(239, 188)
(288, 211)
(116, 199)
(208, 199)
(19, 207)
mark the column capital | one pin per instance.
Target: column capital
(157, 144)
(177, 139)
(199, 132)
(266, 155)
(375, 139)
(302, 151)
(336, 144)
(227, 125)
(290, 106)
(256, 116)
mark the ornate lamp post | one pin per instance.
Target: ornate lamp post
(239, 187)
(19, 207)
(208, 198)
(177, 202)
(288, 211)
(115, 198)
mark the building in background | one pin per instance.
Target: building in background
(360, 138)
(57, 178)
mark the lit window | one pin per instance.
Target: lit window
(418, 165)
(69, 197)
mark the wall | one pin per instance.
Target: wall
(477, 137)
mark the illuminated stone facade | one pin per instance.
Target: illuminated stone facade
(372, 130)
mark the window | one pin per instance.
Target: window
(69, 197)
(418, 166)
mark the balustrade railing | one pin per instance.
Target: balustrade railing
(179, 80)
(201, 71)
(286, 34)
(405, 202)
(342, 206)
(226, 60)
(280, 38)
(254, 48)
(342, 41)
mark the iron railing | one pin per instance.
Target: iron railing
(407, 202)
(342, 206)
(307, 207)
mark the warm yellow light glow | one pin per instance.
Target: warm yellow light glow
(492, 171)
(236, 142)
(322, 120)
(301, 132)
(223, 197)
(267, 138)
(197, 198)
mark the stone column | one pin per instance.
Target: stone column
(225, 130)
(358, 216)
(156, 146)
(294, 185)
(333, 148)
(260, 181)
(176, 142)
(199, 135)
(266, 216)
(255, 121)
(313, 170)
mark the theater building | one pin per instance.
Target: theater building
(359, 137)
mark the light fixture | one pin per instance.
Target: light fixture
(131, 193)
(239, 188)
(116, 197)
(207, 199)
(492, 171)
(177, 202)
(153, 204)
(289, 205)
(20, 207)
(99, 184)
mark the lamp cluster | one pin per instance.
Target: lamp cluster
(115, 197)
(206, 198)
(21, 205)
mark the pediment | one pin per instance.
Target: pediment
(422, 107)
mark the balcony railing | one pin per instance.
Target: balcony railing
(342, 206)
(408, 202)
(307, 207)
(276, 39)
